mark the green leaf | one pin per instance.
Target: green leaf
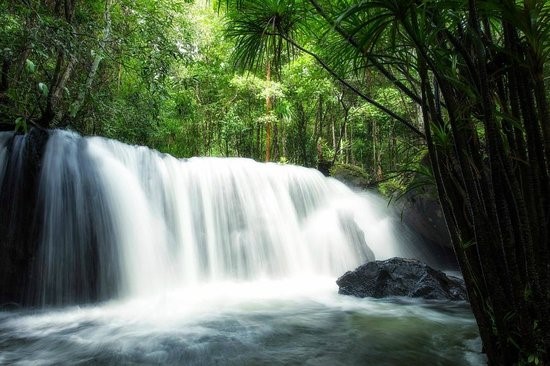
(21, 124)
(73, 109)
(30, 66)
(43, 88)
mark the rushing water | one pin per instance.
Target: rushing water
(210, 261)
(252, 323)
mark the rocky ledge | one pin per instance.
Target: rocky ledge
(401, 277)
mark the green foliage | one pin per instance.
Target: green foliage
(261, 30)
(21, 125)
(378, 85)
(392, 187)
(85, 66)
(165, 78)
(352, 175)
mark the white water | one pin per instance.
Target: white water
(178, 223)
(267, 322)
(212, 261)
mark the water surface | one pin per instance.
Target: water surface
(256, 323)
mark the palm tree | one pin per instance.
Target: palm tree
(257, 27)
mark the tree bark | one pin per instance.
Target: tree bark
(268, 109)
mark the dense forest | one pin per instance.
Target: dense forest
(164, 74)
(450, 94)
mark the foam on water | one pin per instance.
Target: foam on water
(275, 322)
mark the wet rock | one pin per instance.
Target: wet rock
(355, 235)
(20, 166)
(401, 277)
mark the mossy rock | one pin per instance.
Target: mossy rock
(351, 175)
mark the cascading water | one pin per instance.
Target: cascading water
(121, 217)
(116, 222)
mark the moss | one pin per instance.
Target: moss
(351, 175)
(392, 187)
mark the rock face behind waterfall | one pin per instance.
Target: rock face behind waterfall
(18, 201)
(401, 277)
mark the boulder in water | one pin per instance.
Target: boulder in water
(401, 277)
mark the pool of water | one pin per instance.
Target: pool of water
(256, 323)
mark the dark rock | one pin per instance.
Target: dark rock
(421, 212)
(19, 175)
(401, 277)
(355, 235)
(324, 167)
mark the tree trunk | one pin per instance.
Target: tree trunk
(268, 109)
(63, 71)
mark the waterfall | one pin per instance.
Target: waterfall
(109, 220)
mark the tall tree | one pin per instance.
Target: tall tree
(257, 27)
(59, 59)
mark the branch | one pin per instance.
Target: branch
(77, 105)
(349, 38)
(354, 89)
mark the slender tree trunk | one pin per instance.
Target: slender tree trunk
(268, 109)
(333, 130)
(346, 137)
(320, 116)
(258, 144)
(302, 128)
(275, 142)
(338, 146)
(376, 152)
(62, 73)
